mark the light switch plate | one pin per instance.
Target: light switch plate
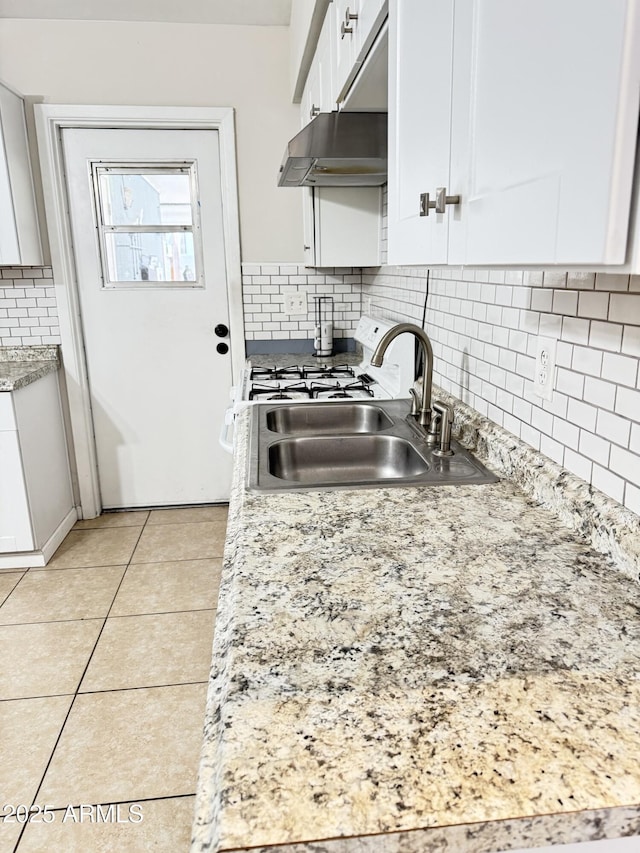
(295, 303)
(545, 368)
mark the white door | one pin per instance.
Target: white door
(146, 220)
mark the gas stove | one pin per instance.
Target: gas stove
(309, 382)
(325, 380)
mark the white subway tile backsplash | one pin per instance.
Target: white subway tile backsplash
(593, 304)
(554, 279)
(565, 302)
(581, 280)
(620, 369)
(614, 428)
(594, 448)
(600, 393)
(632, 498)
(609, 483)
(596, 400)
(625, 463)
(628, 403)
(609, 281)
(631, 340)
(575, 330)
(580, 465)
(605, 336)
(625, 308)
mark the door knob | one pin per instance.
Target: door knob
(223, 349)
(221, 330)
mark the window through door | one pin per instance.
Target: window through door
(148, 225)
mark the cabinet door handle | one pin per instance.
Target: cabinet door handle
(442, 199)
(440, 204)
(345, 29)
(425, 204)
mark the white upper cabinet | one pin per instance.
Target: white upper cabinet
(526, 111)
(318, 95)
(419, 127)
(19, 231)
(357, 23)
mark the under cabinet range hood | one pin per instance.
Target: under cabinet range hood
(338, 149)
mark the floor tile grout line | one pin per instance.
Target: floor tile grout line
(13, 589)
(143, 687)
(111, 616)
(106, 690)
(124, 802)
(76, 692)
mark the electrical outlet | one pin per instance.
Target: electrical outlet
(366, 305)
(545, 368)
(295, 303)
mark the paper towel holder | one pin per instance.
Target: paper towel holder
(323, 328)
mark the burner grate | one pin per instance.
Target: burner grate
(335, 391)
(325, 371)
(274, 373)
(276, 392)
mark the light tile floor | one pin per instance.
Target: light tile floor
(105, 657)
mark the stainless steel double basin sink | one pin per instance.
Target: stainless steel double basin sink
(349, 445)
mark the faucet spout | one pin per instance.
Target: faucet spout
(424, 409)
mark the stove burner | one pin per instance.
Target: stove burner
(337, 391)
(293, 372)
(324, 371)
(275, 392)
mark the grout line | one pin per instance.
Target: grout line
(140, 687)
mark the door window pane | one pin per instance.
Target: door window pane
(148, 225)
(150, 256)
(145, 198)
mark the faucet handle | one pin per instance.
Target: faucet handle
(446, 419)
(415, 402)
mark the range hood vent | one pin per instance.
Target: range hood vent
(338, 149)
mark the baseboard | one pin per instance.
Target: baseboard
(38, 559)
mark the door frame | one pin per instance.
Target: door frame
(50, 120)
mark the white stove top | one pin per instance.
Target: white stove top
(322, 380)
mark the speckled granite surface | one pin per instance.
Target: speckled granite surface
(19, 366)
(418, 669)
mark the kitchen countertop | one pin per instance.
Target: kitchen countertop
(19, 366)
(430, 668)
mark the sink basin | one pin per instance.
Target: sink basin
(343, 418)
(330, 445)
(353, 459)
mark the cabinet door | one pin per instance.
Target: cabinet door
(16, 533)
(371, 14)
(19, 228)
(347, 226)
(420, 59)
(546, 99)
(344, 39)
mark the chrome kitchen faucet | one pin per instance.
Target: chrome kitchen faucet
(421, 410)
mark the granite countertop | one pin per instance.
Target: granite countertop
(19, 366)
(396, 670)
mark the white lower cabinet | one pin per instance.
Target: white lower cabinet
(36, 500)
(527, 114)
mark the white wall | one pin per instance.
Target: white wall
(90, 62)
